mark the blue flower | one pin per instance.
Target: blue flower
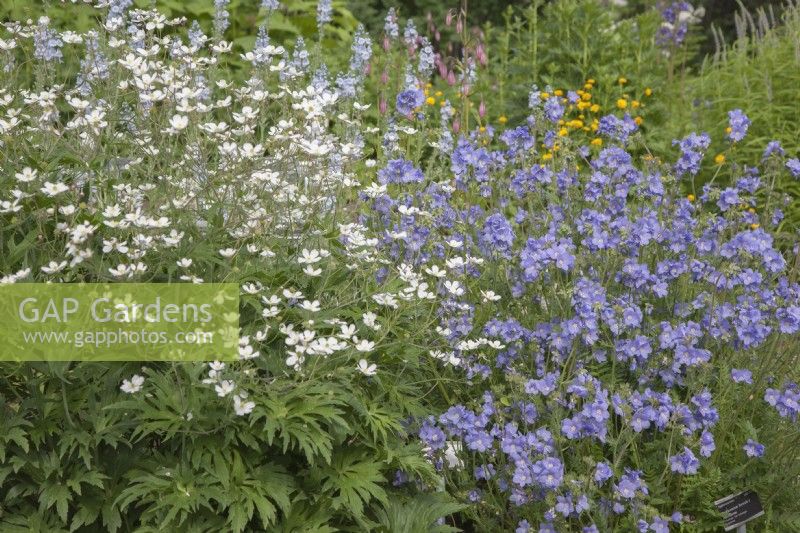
(742, 375)
(753, 448)
(497, 235)
(602, 473)
(738, 124)
(794, 167)
(408, 100)
(400, 171)
(684, 463)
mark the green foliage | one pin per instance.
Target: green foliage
(177, 460)
(759, 74)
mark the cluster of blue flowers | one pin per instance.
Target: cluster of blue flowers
(602, 267)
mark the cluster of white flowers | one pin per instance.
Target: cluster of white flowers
(154, 163)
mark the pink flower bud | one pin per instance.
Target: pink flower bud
(384, 77)
(386, 43)
(437, 36)
(442, 68)
(482, 109)
(456, 125)
(382, 105)
(448, 19)
(451, 78)
(459, 25)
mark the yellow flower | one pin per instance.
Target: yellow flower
(438, 93)
(719, 159)
(622, 103)
(548, 156)
(558, 92)
(482, 129)
(595, 108)
(754, 226)
(591, 81)
(597, 141)
(563, 132)
(635, 104)
(648, 92)
(503, 119)
(622, 81)
(430, 100)
(428, 85)
(583, 105)
(586, 97)
(728, 129)
(638, 121)
(690, 197)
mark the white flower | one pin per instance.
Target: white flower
(241, 407)
(53, 189)
(363, 345)
(27, 175)
(451, 455)
(184, 262)
(370, 320)
(292, 295)
(489, 296)
(309, 257)
(347, 331)
(311, 271)
(436, 272)
(227, 253)
(53, 267)
(367, 369)
(224, 388)
(454, 288)
(311, 306)
(132, 385)
(178, 123)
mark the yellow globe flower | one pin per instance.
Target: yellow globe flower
(622, 103)
(719, 159)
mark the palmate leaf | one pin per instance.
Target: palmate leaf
(305, 418)
(353, 480)
(418, 515)
(264, 488)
